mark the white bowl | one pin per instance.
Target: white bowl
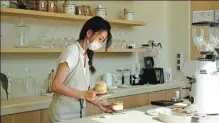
(173, 117)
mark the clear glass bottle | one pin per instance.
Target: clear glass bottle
(29, 83)
(9, 85)
(22, 30)
(2, 41)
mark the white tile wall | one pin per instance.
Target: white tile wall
(162, 26)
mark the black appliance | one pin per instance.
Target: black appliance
(148, 62)
(152, 76)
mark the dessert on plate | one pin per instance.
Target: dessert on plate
(101, 88)
(117, 106)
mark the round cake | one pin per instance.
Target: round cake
(117, 106)
(101, 88)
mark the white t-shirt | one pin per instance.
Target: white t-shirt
(70, 55)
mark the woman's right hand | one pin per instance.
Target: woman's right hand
(90, 95)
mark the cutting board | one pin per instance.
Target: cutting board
(132, 116)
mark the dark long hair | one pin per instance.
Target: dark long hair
(96, 24)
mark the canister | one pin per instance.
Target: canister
(69, 8)
(128, 15)
(100, 11)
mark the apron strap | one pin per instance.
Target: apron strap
(81, 107)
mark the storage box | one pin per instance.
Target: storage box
(207, 15)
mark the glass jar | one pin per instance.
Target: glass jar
(22, 32)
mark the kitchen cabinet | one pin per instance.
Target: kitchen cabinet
(196, 6)
(135, 100)
(39, 116)
(132, 101)
(171, 93)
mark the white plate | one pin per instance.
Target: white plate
(156, 111)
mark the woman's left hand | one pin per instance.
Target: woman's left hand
(107, 108)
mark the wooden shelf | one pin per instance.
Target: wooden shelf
(61, 16)
(59, 50)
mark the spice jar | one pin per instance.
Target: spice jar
(86, 11)
(78, 10)
(51, 5)
(128, 15)
(69, 8)
(100, 11)
(41, 5)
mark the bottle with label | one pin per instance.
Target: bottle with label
(41, 5)
(52, 5)
(51, 77)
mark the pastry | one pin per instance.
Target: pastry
(117, 106)
(101, 88)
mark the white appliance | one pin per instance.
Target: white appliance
(109, 79)
(207, 15)
(204, 94)
(168, 77)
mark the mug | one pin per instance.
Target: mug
(168, 75)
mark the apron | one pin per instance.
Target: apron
(66, 108)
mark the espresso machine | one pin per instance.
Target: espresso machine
(203, 72)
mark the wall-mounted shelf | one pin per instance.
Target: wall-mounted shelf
(61, 16)
(59, 50)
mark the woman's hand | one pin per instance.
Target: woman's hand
(90, 96)
(107, 108)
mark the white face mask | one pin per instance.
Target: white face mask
(95, 45)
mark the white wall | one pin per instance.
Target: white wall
(167, 22)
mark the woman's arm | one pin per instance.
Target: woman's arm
(59, 88)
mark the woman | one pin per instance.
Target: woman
(72, 79)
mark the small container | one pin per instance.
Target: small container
(69, 8)
(5, 3)
(128, 15)
(86, 11)
(41, 5)
(100, 11)
(78, 10)
(51, 5)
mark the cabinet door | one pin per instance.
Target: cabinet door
(171, 93)
(144, 99)
(6, 119)
(159, 95)
(45, 118)
(27, 117)
(92, 110)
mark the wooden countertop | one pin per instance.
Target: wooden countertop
(25, 104)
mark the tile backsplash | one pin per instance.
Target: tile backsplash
(158, 28)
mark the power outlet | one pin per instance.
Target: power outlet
(179, 61)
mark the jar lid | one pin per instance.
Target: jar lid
(69, 2)
(100, 7)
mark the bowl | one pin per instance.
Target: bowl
(174, 117)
